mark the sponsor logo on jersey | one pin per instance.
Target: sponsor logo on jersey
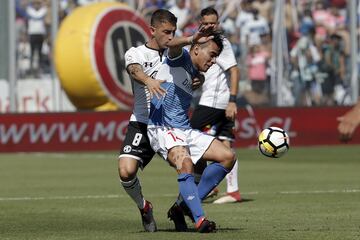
(127, 149)
(148, 64)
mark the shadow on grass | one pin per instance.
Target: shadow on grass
(192, 230)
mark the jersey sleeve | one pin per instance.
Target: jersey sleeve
(226, 59)
(132, 56)
(184, 61)
(178, 61)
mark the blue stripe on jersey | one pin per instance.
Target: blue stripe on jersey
(172, 109)
(183, 61)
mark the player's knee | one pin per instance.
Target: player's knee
(184, 165)
(229, 159)
(127, 172)
(126, 175)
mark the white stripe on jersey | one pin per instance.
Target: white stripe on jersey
(151, 60)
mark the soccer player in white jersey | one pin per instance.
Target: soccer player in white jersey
(169, 127)
(142, 64)
(217, 107)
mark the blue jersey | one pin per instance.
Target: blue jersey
(172, 109)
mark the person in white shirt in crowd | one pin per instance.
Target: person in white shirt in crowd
(36, 13)
(182, 13)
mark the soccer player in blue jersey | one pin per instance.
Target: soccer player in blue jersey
(169, 128)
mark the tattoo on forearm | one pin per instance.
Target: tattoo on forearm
(134, 70)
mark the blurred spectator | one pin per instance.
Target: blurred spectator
(257, 62)
(36, 13)
(304, 59)
(147, 7)
(266, 9)
(255, 27)
(321, 18)
(23, 55)
(334, 60)
(183, 15)
(229, 27)
(245, 15)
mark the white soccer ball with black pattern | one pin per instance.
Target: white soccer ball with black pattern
(273, 142)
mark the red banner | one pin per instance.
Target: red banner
(62, 131)
(305, 126)
(49, 132)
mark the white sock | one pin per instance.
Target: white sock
(232, 179)
(133, 189)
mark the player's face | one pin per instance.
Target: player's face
(163, 33)
(210, 20)
(206, 55)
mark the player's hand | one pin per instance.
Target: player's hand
(154, 87)
(231, 111)
(203, 34)
(197, 81)
(348, 124)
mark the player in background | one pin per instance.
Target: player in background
(217, 107)
(349, 122)
(169, 127)
(142, 64)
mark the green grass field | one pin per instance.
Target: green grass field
(311, 193)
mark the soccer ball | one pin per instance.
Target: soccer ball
(273, 142)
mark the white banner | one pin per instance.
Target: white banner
(33, 95)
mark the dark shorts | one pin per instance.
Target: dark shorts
(136, 144)
(213, 122)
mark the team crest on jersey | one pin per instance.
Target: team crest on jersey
(127, 149)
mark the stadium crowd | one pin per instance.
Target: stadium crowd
(317, 35)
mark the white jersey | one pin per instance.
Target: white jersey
(216, 88)
(150, 59)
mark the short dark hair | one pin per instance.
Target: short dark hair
(162, 16)
(219, 40)
(209, 11)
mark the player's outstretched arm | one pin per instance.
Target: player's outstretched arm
(137, 73)
(177, 43)
(348, 123)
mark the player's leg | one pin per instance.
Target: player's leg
(209, 120)
(232, 186)
(223, 161)
(136, 151)
(128, 168)
(179, 157)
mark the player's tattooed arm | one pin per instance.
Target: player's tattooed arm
(136, 72)
(154, 86)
